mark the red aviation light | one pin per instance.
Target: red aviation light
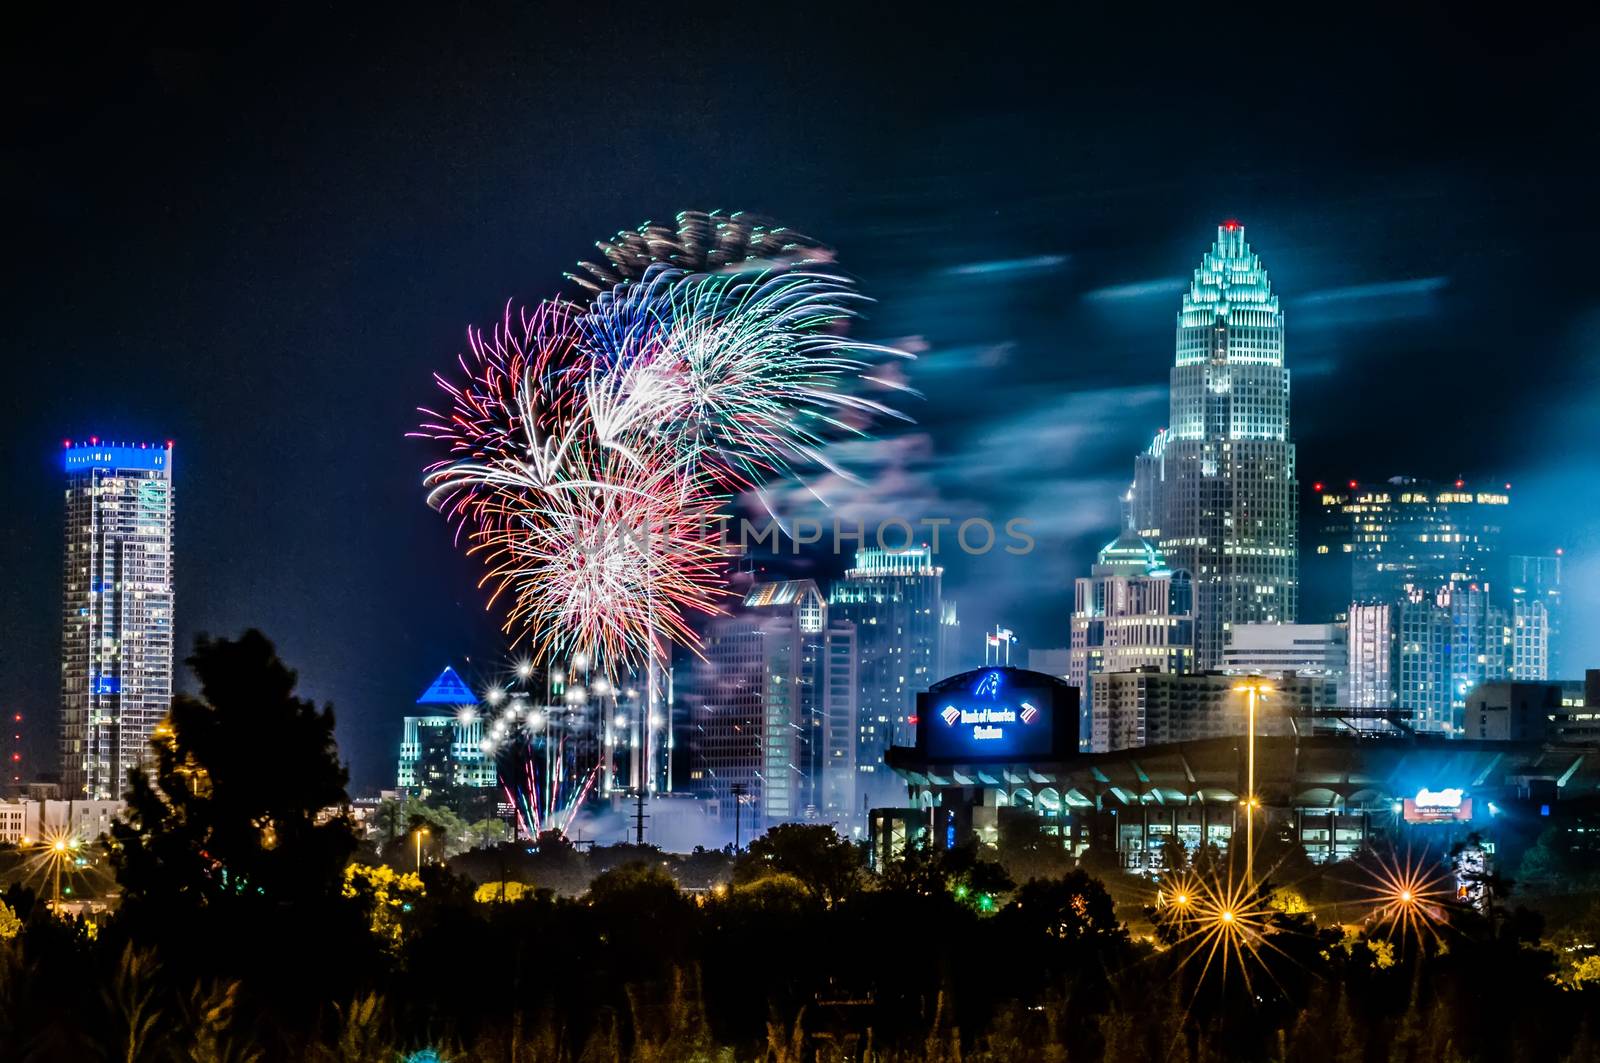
(1231, 224)
(1353, 485)
(1317, 486)
(1461, 483)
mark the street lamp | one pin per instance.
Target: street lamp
(737, 791)
(421, 833)
(55, 849)
(1253, 688)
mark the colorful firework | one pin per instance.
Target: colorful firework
(748, 376)
(607, 565)
(591, 452)
(552, 733)
(697, 242)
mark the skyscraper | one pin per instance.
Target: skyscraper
(1378, 541)
(1216, 489)
(1451, 640)
(1371, 631)
(1417, 560)
(774, 712)
(1130, 612)
(895, 600)
(1537, 615)
(443, 752)
(116, 616)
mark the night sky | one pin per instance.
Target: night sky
(258, 235)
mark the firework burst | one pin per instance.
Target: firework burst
(749, 376)
(591, 452)
(607, 564)
(697, 242)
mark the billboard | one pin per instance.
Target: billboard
(1449, 805)
(995, 712)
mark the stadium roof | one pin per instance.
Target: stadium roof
(1291, 771)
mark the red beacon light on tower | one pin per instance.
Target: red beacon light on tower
(1231, 224)
(1317, 486)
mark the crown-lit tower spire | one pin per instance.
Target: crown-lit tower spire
(1217, 491)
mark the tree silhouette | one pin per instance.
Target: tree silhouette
(233, 848)
(815, 854)
(242, 797)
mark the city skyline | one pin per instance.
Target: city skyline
(1315, 498)
(1048, 276)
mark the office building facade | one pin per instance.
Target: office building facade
(1449, 641)
(117, 612)
(1131, 611)
(774, 710)
(443, 750)
(1304, 649)
(1216, 490)
(29, 821)
(1384, 539)
(1370, 644)
(1537, 612)
(903, 625)
(1524, 711)
(1147, 707)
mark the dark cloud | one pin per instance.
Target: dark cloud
(261, 236)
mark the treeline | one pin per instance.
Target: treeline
(251, 927)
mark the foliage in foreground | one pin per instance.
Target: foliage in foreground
(248, 935)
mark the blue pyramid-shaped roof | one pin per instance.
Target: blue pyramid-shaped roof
(448, 689)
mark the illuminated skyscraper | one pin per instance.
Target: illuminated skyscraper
(443, 752)
(116, 617)
(1379, 540)
(1451, 640)
(895, 599)
(774, 711)
(1371, 631)
(1216, 490)
(1130, 612)
(1537, 615)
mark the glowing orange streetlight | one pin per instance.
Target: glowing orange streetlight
(1253, 689)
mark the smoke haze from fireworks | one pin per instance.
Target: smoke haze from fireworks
(591, 450)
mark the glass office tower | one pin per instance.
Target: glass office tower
(116, 624)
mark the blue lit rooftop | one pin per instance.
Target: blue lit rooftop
(96, 453)
(448, 689)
